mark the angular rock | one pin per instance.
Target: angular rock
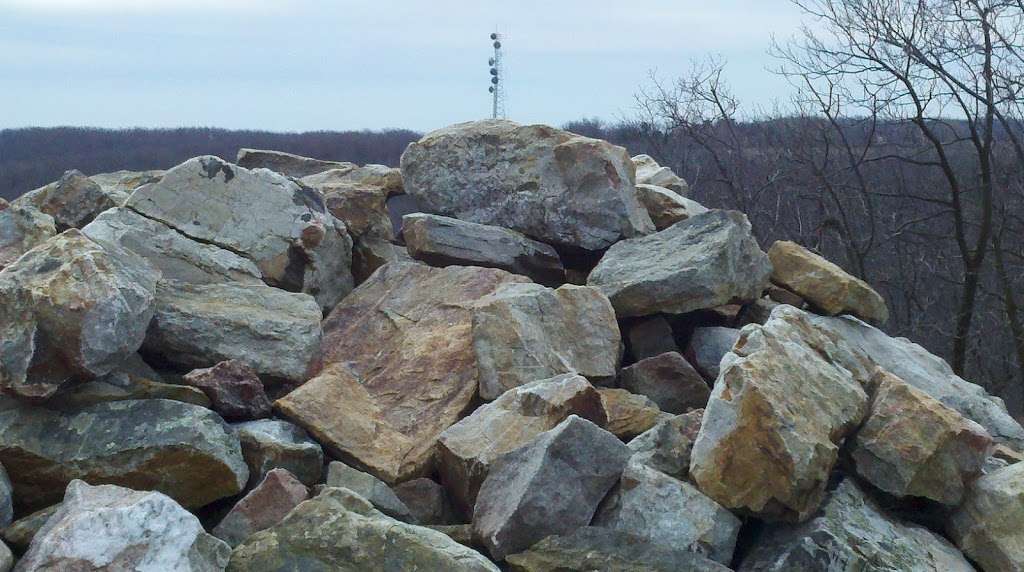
(987, 527)
(21, 229)
(73, 200)
(912, 445)
(781, 407)
(132, 379)
(666, 207)
(369, 254)
(388, 180)
(824, 284)
(649, 172)
(362, 206)
(649, 337)
(669, 512)
(669, 380)
(269, 444)
(234, 389)
(70, 309)
(552, 485)
(666, 447)
(286, 163)
(339, 530)
(276, 495)
(708, 346)
(108, 527)
(19, 534)
(427, 501)
(551, 185)
(628, 414)
(443, 241)
(283, 228)
(120, 184)
(182, 450)
(783, 296)
(467, 450)
(852, 533)
(369, 487)
(398, 368)
(277, 333)
(705, 261)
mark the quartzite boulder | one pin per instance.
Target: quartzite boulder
(234, 389)
(281, 227)
(551, 485)
(70, 309)
(987, 527)
(21, 229)
(852, 533)
(338, 530)
(649, 172)
(182, 450)
(286, 163)
(705, 261)
(779, 411)
(112, 528)
(669, 380)
(264, 506)
(666, 207)
(667, 446)
(825, 285)
(707, 347)
(443, 241)
(277, 333)
(912, 445)
(274, 444)
(399, 367)
(467, 450)
(629, 414)
(72, 201)
(369, 487)
(551, 185)
(525, 332)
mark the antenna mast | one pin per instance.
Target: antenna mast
(497, 88)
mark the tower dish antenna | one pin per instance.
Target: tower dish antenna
(497, 72)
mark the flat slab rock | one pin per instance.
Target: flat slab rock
(287, 164)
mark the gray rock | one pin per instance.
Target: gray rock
(6, 499)
(551, 185)
(649, 172)
(73, 200)
(705, 261)
(666, 207)
(669, 512)
(21, 229)
(198, 325)
(369, 487)
(650, 336)
(443, 241)
(108, 527)
(669, 380)
(552, 485)
(987, 526)
(120, 184)
(708, 346)
(273, 444)
(852, 533)
(427, 501)
(132, 379)
(182, 450)
(6, 558)
(666, 446)
(264, 506)
(286, 163)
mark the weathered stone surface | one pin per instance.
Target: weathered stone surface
(666, 207)
(338, 530)
(669, 381)
(708, 346)
(667, 446)
(594, 548)
(19, 534)
(369, 254)
(72, 201)
(987, 527)
(669, 512)
(524, 332)
(21, 229)
(427, 501)
(444, 241)
(283, 228)
(913, 445)
(552, 485)
(198, 325)
(108, 527)
(274, 444)
(234, 389)
(182, 450)
(779, 411)
(824, 284)
(467, 450)
(399, 367)
(70, 309)
(629, 414)
(264, 506)
(705, 261)
(120, 184)
(649, 336)
(369, 487)
(852, 533)
(6, 499)
(286, 163)
(549, 184)
(175, 255)
(649, 172)
(358, 197)
(386, 179)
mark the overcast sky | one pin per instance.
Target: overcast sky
(294, 65)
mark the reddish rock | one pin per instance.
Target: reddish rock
(263, 507)
(234, 388)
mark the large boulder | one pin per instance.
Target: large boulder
(264, 506)
(339, 530)
(21, 229)
(705, 261)
(277, 333)
(467, 450)
(667, 446)
(286, 164)
(825, 285)
(852, 533)
(780, 409)
(398, 367)
(649, 172)
(70, 309)
(524, 332)
(669, 380)
(551, 185)
(282, 227)
(269, 444)
(108, 527)
(182, 450)
(444, 241)
(551, 485)
(666, 207)
(987, 527)
(73, 200)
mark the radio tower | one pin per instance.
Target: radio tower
(497, 88)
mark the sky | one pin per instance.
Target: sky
(299, 65)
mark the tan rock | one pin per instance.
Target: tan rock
(628, 414)
(666, 207)
(73, 200)
(21, 229)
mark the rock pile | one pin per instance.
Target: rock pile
(561, 363)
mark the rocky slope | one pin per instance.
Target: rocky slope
(562, 363)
